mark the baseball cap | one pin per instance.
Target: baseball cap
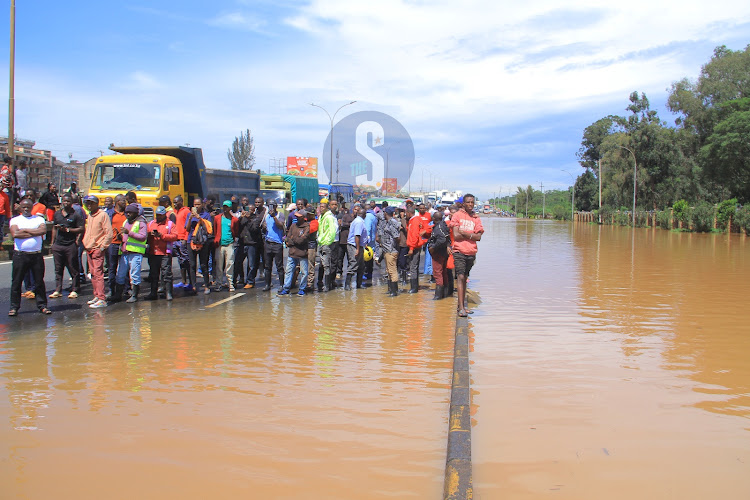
(164, 197)
(389, 210)
(160, 211)
(91, 197)
(324, 201)
(133, 207)
(409, 200)
(227, 203)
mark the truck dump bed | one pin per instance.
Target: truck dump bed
(200, 181)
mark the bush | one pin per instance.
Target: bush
(663, 219)
(641, 219)
(725, 211)
(703, 217)
(742, 219)
(622, 218)
(606, 215)
(560, 212)
(682, 212)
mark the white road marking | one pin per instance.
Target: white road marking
(236, 296)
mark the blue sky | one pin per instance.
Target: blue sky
(494, 94)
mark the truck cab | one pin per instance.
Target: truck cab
(153, 171)
(148, 176)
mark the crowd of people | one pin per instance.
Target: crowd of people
(234, 245)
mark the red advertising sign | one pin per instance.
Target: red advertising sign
(390, 185)
(302, 166)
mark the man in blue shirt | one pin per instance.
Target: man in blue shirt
(356, 243)
(273, 226)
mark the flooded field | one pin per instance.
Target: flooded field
(606, 363)
(611, 364)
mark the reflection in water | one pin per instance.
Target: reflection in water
(597, 352)
(344, 395)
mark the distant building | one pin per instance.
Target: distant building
(42, 167)
(64, 174)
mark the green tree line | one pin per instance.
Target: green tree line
(552, 203)
(703, 158)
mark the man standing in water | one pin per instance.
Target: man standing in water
(467, 230)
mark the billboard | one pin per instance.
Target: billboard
(390, 185)
(302, 166)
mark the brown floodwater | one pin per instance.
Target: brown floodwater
(336, 396)
(605, 363)
(610, 363)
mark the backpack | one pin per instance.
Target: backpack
(438, 239)
(201, 234)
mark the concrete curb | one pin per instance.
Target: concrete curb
(458, 477)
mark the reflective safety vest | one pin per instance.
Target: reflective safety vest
(134, 246)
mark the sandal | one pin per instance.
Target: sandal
(462, 313)
(469, 311)
(13, 312)
(44, 310)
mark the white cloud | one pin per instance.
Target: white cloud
(447, 70)
(238, 20)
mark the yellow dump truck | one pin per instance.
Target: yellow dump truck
(153, 171)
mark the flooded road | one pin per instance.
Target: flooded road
(610, 364)
(604, 364)
(325, 396)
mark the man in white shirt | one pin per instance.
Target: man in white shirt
(27, 231)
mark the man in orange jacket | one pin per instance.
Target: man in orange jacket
(162, 233)
(417, 235)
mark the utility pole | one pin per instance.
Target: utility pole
(337, 165)
(543, 200)
(599, 163)
(12, 98)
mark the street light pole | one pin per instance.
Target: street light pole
(599, 163)
(573, 197)
(635, 171)
(11, 97)
(330, 180)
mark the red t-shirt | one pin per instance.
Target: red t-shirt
(118, 219)
(4, 204)
(182, 215)
(466, 222)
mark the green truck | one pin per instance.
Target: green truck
(286, 189)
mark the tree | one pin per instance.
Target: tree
(242, 153)
(727, 152)
(590, 153)
(587, 192)
(705, 108)
(725, 77)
